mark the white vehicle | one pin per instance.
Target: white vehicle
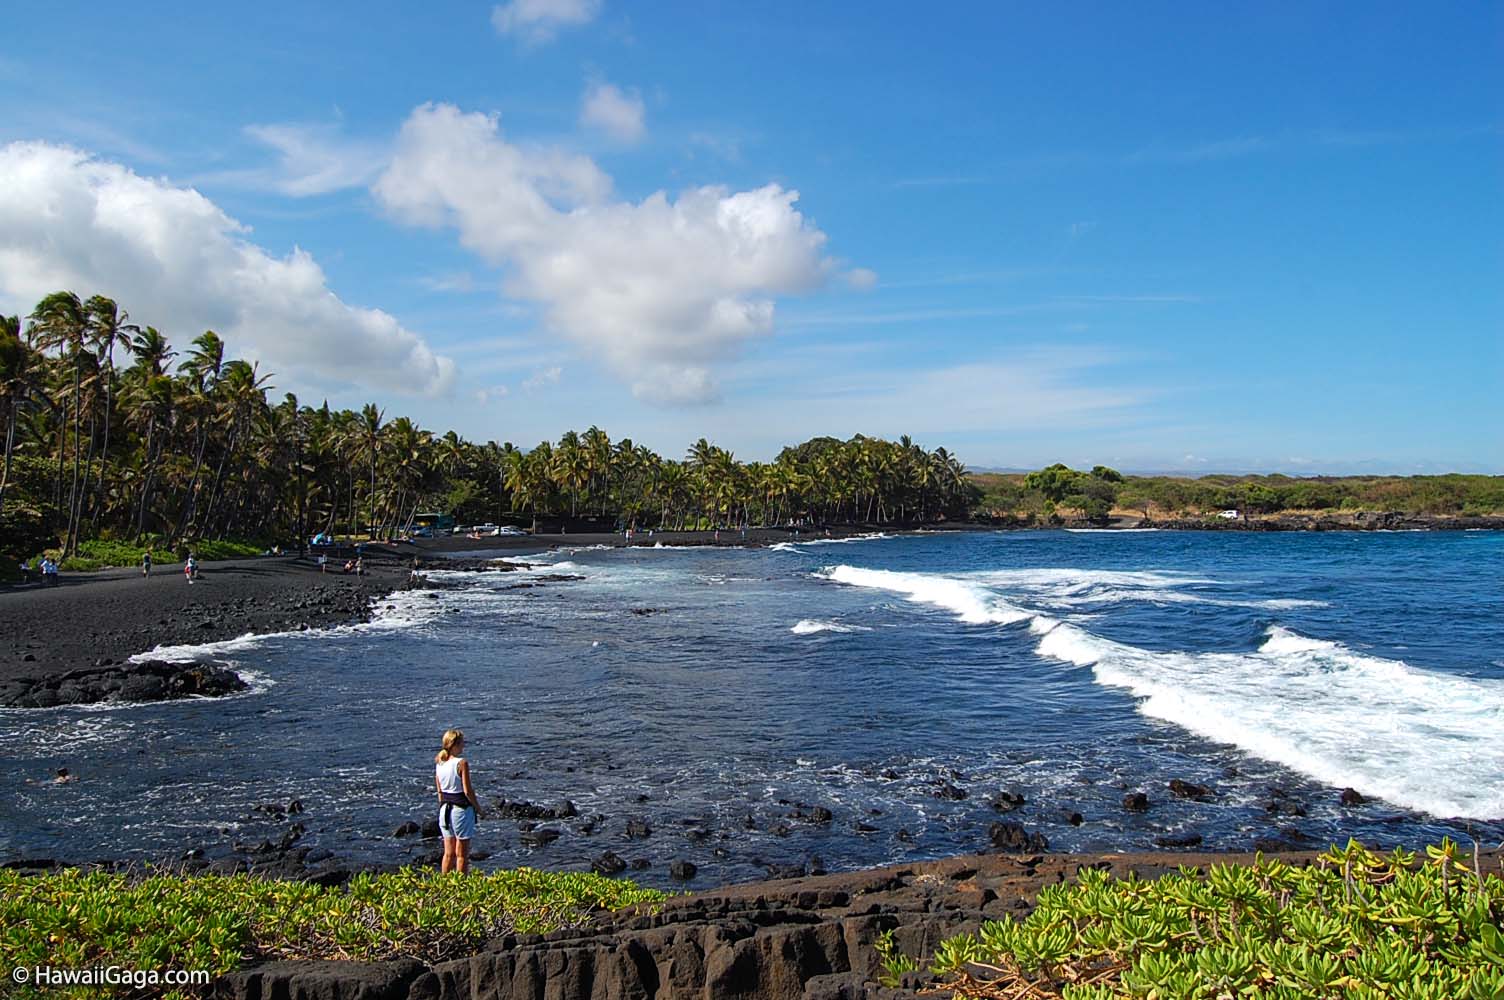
(487, 530)
(1228, 515)
(510, 529)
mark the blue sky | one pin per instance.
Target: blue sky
(1165, 237)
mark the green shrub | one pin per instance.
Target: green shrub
(1352, 925)
(77, 920)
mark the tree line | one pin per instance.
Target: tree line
(1059, 492)
(112, 432)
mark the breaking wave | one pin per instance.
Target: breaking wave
(1417, 738)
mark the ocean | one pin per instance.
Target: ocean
(725, 695)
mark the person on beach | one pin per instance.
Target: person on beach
(323, 562)
(360, 566)
(190, 569)
(458, 806)
(146, 563)
(25, 571)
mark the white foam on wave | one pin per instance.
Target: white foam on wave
(1417, 738)
(972, 602)
(1070, 587)
(799, 545)
(811, 626)
(399, 610)
(1420, 739)
(1111, 531)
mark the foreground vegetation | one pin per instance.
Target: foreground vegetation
(77, 920)
(1353, 926)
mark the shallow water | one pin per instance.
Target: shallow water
(1069, 667)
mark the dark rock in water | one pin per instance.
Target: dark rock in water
(1075, 819)
(430, 829)
(888, 774)
(1136, 802)
(528, 810)
(1014, 838)
(1353, 797)
(1007, 801)
(1284, 807)
(820, 815)
(779, 829)
(153, 680)
(785, 871)
(608, 864)
(1186, 790)
(814, 866)
(640, 864)
(904, 835)
(951, 791)
(683, 870)
(1170, 840)
(861, 827)
(294, 807)
(540, 837)
(638, 829)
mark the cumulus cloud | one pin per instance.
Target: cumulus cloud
(537, 21)
(659, 290)
(176, 260)
(620, 115)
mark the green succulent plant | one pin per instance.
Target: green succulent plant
(1354, 925)
(74, 919)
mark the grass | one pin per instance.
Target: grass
(1352, 926)
(74, 919)
(99, 553)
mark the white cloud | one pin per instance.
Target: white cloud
(861, 279)
(315, 160)
(538, 21)
(548, 376)
(658, 290)
(176, 260)
(620, 115)
(311, 160)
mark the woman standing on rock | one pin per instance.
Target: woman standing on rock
(458, 807)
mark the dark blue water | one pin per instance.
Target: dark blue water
(1071, 668)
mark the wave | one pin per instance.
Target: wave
(1069, 588)
(1111, 531)
(399, 610)
(972, 603)
(810, 626)
(1417, 738)
(1420, 739)
(801, 545)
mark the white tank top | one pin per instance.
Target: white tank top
(448, 773)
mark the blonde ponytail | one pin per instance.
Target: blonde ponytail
(451, 737)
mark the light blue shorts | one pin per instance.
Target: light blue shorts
(456, 821)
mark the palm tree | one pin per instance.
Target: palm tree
(18, 379)
(109, 326)
(370, 430)
(60, 322)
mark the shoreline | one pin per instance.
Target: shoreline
(113, 615)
